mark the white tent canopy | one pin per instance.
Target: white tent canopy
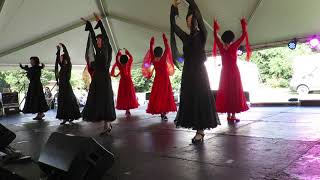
(35, 27)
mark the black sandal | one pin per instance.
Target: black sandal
(231, 122)
(37, 118)
(71, 121)
(64, 122)
(128, 114)
(197, 141)
(235, 119)
(106, 131)
(164, 117)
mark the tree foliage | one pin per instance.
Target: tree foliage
(275, 65)
(141, 83)
(18, 81)
(275, 68)
(3, 82)
(176, 80)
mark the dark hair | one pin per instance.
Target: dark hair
(189, 13)
(227, 37)
(99, 36)
(36, 60)
(124, 59)
(194, 22)
(158, 51)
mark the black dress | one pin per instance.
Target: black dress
(100, 103)
(35, 99)
(197, 105)
(68, 107)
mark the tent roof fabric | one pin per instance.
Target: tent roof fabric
(35, 27)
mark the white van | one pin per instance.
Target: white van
(306, 74)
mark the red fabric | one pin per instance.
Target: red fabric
(161, 99)
(147, 68)
(126, 93)
(244, 29)
(215, 29)
(248, 49)
(169, 59)
(230, 96)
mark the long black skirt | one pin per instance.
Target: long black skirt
(68, 107)
(100, 102)
(197, 108)
(35, 99)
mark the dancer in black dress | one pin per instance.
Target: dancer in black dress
(68, 107)
(197, 106)
(35, 101)
(100, 103)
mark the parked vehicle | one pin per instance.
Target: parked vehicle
(305, 83)
(306, 74)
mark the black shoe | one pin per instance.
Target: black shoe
(235, 119)
(231, 122)
(37, 118)
(128, 114)
(71, 121)
(64, 122)
(198, 141)
(164, 117)
(106, 131)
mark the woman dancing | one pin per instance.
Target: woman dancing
(230, 96)
(161, 99)
(197, 106)
(126, 99)
(35, 100)
(100, 104)
(68, 107)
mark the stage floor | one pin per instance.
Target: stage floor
(269, 143)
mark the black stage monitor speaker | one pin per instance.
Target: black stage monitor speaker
(8, 175)
(10, 98)
(69, 157)
(6, 136)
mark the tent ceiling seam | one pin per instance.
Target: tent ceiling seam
(74, 26)
(253, 12)
(103, 10)
(1, 4)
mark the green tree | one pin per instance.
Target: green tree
(275, 65)
(3, 82)
(176, 80)
(18, 80)
(141, 83)
(46, 76)
(76, 80)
